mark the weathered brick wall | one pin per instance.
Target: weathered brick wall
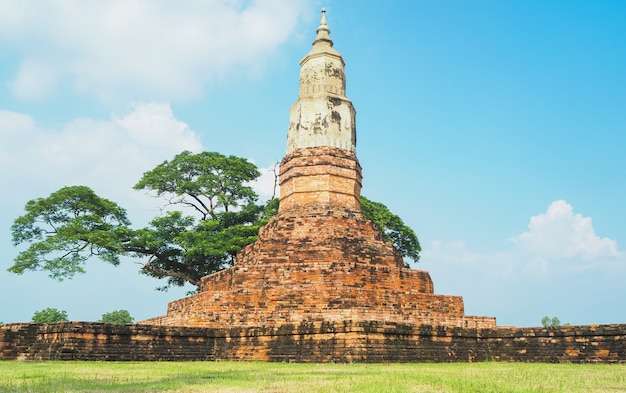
(100, 341)
(343, 341)
(577, 344)
(322, 176)
(319, 259)
(319, 265)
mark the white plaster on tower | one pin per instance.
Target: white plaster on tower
(322, 115)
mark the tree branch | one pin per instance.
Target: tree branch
(149, 267)
(175, 269)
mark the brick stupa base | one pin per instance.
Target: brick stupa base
(320, 259)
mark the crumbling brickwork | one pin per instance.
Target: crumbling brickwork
(319, 259)
(345, 341)
(320, 176)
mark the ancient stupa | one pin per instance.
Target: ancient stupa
(319, 258)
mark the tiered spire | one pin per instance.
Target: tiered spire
(322, 115)
(323, 32)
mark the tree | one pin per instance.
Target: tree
(210, 213)
(206, 182)
(546, 321)
(118, 316)
(393, 228)
(74, 224)
(49, 315)
(66, 229)
(217, 189)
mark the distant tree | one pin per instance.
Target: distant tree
(118, 316)
(393, 228)
(49, 315)
(546, 321)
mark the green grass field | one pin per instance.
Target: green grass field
(281, 377)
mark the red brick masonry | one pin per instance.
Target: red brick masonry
(320, 176)
(318, 260)
(346, 341)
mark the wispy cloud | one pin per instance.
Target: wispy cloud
(559, 233)
(107, 155)
(155, 49)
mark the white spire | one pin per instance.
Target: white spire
(323, 32)
(322, 115)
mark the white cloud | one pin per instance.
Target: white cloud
(33, 81)
(559, 233)
(156, 48)
(266, 185)
(155, 127)
(556, 241)
(14, 129)
(107, 155)
(560, 266)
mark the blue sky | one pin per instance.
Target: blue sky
(495, 129)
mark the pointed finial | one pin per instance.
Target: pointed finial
(323, 31)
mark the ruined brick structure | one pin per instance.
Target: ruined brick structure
(347, 341)
(319, 285)
(319, 259)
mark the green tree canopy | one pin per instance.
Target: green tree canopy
(393, 228)
(117, 316)
(67, 228)
(212, 213)
(49, 315)
(207, 182)
(219, 214)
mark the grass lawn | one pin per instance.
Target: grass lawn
(281, 377)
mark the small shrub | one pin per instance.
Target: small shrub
(547, 321)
